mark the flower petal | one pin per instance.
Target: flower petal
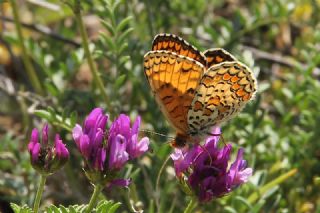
(61, 150)
(35, 136)
(120, 182)
(85, 147)
(45, 131)
(100, 159)
(35, 152)
(118, 155)
(136, 126)
(136, 148)
(76, 134)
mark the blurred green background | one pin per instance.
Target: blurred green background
(279, 40)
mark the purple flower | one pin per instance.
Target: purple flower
(61, 150)
(118, 155)
(204, 169)
(107, 152)
(47, 158)
(136, 148)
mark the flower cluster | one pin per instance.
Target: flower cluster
(204, 169)
(45, 157)
(106, 152)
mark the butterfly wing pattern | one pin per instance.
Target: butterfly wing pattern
(223, 91)
(196, 91)
(177, 45)
(173, 79)
(216, 56)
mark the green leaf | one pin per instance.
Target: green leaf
(73, 118)
(103, 206)
(243, 201)
(264, 189)
(15, 207)
(121, 26)
(123, 47)
(110, 43)
(110, 13)
(114, 207)
(63, 209)
(72, 209)
(257, 208)
(52, 209)
(124, 59)
(21, 209)
(115, 5)
(124, 36)
(52, 89)
(230, 209)
(119, 82)
(109, 27)
(44, 114)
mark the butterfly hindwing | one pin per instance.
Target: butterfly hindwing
(217, 55)
(173, 79)
(223, 91)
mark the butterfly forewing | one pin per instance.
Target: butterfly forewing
(173, 79)
(223, 91)
(177, 45)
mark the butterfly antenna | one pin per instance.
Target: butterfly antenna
(205, 149)
(156, 133)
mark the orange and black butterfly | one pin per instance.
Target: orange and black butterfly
(196, 91)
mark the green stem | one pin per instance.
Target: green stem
(93, 200)
(192, 204)
(255, 196)
(158, 183)
(39, 193)
(85, 44)
(26, 60)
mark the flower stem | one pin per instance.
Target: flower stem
(192, 204)
(157, 198)
(26, 60)
(85, 43)
(39, 193)
(93, 200)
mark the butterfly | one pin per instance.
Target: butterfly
(196, 91)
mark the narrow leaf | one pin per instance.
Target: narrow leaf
(109, 27)
(121, 26)
(124, 36)
(114, 207)
(253, 197)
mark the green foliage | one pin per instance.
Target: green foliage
(21, 209)
(58, 120)
(103, 206)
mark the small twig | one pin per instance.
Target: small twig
(34, 80)
(150, 18)
(43, 30)
(280, 59)
(45, 4)
(9, 87)
(85, 44)
(158, 183)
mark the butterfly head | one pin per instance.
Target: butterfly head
(181, 140)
